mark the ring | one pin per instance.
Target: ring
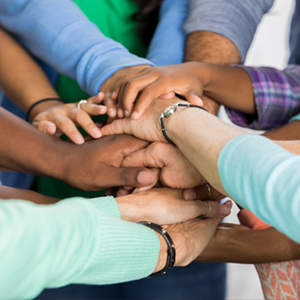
(209, 210)
(81, 102)
(208, 189)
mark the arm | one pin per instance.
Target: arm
(228, 159)
(103, 256)
(167, 44)
(227, 27)
(276, 95)
(66, 40)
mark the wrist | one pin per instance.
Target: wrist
(163, 254)
(40, 107)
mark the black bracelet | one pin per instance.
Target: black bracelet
(38, 102)
(169, 111)
(171, 248)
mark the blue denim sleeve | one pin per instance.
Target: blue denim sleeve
(263, 178)
(167, 45)
(57, 32)
(235, 20)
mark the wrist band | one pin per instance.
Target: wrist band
(169, 111)
(38, 102)
(171, 248)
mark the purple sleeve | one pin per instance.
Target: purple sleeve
(277, 98)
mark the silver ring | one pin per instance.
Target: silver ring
(81, 102)
(208, 189)
(209, 210)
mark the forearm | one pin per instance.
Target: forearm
(99, 250)
(201, 146)
(229, 86)
(234, 21)
(20, 77)
(13, 193)
(210, 47)
(29, 150)
(66, 40)
(249, 247)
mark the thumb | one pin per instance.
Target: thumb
(134, 177)
(45, 126)
(193, 98)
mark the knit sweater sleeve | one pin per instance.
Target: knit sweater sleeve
(74, 241)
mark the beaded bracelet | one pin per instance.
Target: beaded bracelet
(171, 248)
(38, 102)
(169, 111)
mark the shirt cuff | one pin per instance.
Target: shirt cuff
(107, 203)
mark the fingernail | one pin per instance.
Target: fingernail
(95, 133)
(225, 210)
(79, 139)
(113, 95)
(135, 115)
(111, 112)
(127, 114)
(120, 113)
(146, 177)
(190, 195)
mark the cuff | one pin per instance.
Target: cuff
(107, 203)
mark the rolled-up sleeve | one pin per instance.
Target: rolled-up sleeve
(276, 96)
(235, 20)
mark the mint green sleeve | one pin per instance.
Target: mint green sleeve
(74, 241)
(264, 178)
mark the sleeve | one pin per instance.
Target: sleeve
(263, 178)
(277, 98)
(167, 44)
(235, 20)
(73, 241)
(58, 32)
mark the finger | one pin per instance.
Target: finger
(147, 95)
(194, 99)
(45, 126)
(140, 158)
(97, 99)
(167, 96)
(214, 209)
(84, 120)
(111, 106)
(130, 90)
(134, 177)
(67, 126)
(115, 127)
(93, 109)
(149, 187)
(202, 193)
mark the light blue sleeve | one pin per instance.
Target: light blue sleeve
(57, 32)
(168, 42)
(295, 118)
(235, 20)
(74, 241)
(264, 178)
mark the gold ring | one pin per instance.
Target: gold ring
(208, 189)
(209, 210)
(81, 102)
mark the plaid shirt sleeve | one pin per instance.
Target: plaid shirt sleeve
(277, 98)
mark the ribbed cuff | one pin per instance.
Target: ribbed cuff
(107, 203)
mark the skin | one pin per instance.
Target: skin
(92, 166)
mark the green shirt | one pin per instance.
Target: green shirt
(113, 17)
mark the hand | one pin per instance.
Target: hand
(191, 238)
(166, 206)
(148, 127)
(142, 89)
(175, 170)
(63, 118)
(97, 164)
(108, 87)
